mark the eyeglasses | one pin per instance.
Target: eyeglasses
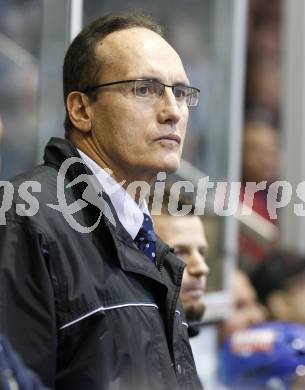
(151, 89)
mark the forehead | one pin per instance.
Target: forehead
(139, 52)
(186, 231)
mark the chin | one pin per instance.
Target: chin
(160, 163)
(170, 164)
(194, 310)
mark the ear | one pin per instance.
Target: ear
(78, 108)
(278, 305)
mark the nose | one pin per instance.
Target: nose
(169, 111)
(256, 314)
(197, 265)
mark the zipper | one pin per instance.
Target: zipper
(171, 317)
(174, 304)
(160, 261)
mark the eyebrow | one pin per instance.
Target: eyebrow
(186, 247)
(185, 82)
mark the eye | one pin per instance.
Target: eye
(180, 92)
(142, 91)
(180, 252)
(144, 88)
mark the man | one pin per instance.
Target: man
(99, 310)
(186, 235)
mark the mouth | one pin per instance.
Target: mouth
(196, 293)
(170, 137)
(195, 290)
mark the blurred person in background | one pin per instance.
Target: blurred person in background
(261, 163)
(264, 28)
(268, 356)
(186, 235)
(263, 84)
(264, 57)
(246, 309)
(20, 50)
(246, 312)
(13, 374)
(280, 285)
(261, 157)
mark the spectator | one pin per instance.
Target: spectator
(264, 56)
(261, 163)
(261, 153)
(263, 84)
(186, 235)
(280, 285)
(13, 374)
(268, 356)
(246, 309)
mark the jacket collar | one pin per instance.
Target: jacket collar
(58, 150)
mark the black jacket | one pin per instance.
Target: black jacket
(89, 311)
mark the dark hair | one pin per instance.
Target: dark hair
(81, 66)
(276, 272)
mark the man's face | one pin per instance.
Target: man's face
(186, 235)
(261, 153)
(133, 134)
(247, 310)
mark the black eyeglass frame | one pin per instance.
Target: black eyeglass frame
(89, 89)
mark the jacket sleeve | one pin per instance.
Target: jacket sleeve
(27, 306)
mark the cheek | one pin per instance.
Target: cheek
(185, 281)
(297, 302)
(126, 134)
(133, 140)
(183, 129)
(134, 131)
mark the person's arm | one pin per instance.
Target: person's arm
(27, 308)
(13, 373)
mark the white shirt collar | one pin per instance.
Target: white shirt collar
(130, 214)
